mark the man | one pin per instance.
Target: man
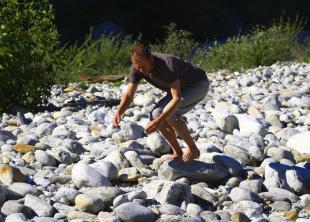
(185, 84)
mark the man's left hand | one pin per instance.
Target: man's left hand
(152, 126)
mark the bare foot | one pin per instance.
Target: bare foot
(172, 157)
(190, 154)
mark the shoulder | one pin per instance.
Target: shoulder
(168, 59)
(162, 56)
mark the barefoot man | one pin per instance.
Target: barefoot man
(185, 86)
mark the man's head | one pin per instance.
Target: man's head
(142, 59)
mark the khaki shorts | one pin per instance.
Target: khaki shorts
(191, 96)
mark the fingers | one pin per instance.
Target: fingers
(148, 127)
(116, 124)
(116, 121)
(151, 128)
(148, 130)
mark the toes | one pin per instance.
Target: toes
(171, 157)
(189, 156)
(186, 157)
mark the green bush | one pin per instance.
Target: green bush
(177, 42)
(302, 51)
(27, 38)
(263, 46)
(70, 60)
(107, 55)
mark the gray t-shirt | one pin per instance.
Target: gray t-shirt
(167, 69)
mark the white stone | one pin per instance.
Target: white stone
(249, 208)
(45, 158)
(249, 125)
(134, 212)
(118, 159)
(85, 176)
(158, 144)
(90, 203)
(66, 193)
(24, 188)
(193, 209)
(106, 168)
(18, 217)
(300, 142)
(225, 120)
(60, 131)
(41, 207)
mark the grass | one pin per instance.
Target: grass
(108, 55)
(263, 46)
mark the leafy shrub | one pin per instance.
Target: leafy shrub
(27, 38)
(177, 42)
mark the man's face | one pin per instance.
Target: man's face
(143, 65)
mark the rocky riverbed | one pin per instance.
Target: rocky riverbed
(71, 164)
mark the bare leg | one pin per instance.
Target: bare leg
(191, 152)
(169, 133)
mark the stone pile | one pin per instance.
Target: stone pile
(252, 129)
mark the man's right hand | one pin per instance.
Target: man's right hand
(125, 102)
(116, 119)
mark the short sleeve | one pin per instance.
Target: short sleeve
(135, 76)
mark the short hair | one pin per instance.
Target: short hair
(141, 51)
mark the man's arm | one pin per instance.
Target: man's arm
(127, 97)
(174, 102)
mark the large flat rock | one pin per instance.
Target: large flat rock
(195, 170)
